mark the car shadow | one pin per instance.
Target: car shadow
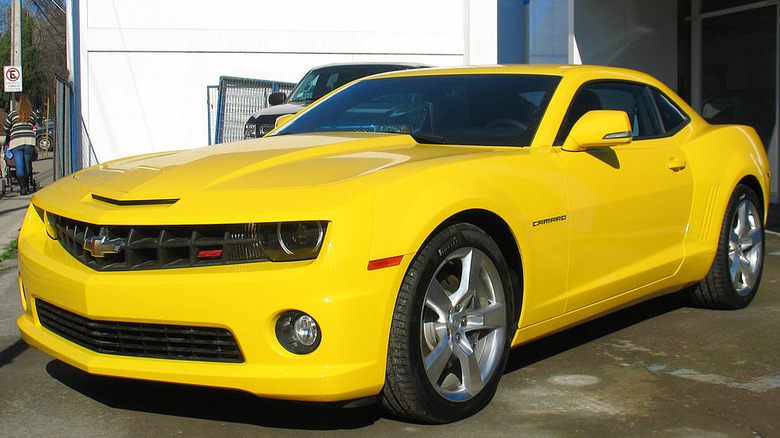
(545, 348)
(217, 404)
(234, 406)
(11, 353)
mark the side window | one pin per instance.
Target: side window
(672, 117)
(332, 81)
(633, 99)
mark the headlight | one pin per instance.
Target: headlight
(48, 222)
(51, 225)
(250, 130)
(285, 241)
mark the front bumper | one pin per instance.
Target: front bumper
(352, 305)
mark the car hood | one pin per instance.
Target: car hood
(279, 110)
(288, 161)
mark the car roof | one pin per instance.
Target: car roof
(372, 64)
(564, 70)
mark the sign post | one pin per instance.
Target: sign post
(12, 76)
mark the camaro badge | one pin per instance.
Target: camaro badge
(550, 220)
(99, 246)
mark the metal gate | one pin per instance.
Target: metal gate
(232, 102)
(68, 147)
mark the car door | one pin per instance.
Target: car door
(629, 204)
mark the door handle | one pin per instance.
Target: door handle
(677, 164)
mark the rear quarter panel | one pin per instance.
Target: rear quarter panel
(720, 157)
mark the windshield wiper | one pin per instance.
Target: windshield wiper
(429, 138)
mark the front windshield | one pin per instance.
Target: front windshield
(322, 81)
(493, 109)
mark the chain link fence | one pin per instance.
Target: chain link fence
(232, 102)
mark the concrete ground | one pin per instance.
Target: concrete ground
(657, 369)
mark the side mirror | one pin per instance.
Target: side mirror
(276, 98)
(281, 120)
(600, 128)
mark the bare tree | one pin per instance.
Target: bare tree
(50, 38)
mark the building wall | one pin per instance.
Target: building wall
(548, 31)
(637, 34)
(534, 31)
(145, 64)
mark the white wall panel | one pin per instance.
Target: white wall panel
(149, 102)
(145, 64)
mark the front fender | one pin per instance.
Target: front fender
(520, 186)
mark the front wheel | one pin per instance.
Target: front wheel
(451, 329)
(736, 271)
(44, 143)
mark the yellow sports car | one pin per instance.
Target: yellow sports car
(393, 241)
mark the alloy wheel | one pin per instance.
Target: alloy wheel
(463, 325)
(745, 247)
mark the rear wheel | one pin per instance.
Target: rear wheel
(736, 271)
(451, 329)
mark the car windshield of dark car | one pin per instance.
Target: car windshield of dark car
(492, 109)
(320, 82)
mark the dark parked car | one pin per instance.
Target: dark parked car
(318, 82)
(44, 134)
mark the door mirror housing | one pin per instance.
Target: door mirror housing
(276, 98)
(599, 128)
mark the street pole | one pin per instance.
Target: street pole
(16, 39)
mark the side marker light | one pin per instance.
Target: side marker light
(385, 263)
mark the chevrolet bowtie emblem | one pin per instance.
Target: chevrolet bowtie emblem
(99, 246)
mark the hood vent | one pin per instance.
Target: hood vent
(124, 203)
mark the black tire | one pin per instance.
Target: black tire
(733, 279)
(435, 318)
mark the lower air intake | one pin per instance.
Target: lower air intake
(161, 341)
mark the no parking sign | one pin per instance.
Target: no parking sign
(12, 74)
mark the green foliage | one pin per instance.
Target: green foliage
(5, 255)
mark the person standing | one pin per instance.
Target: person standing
(19, 127)
(3, 116)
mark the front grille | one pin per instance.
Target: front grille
(160, 341)
(264, 129)
(132, 248)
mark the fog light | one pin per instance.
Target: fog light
(298, 332)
